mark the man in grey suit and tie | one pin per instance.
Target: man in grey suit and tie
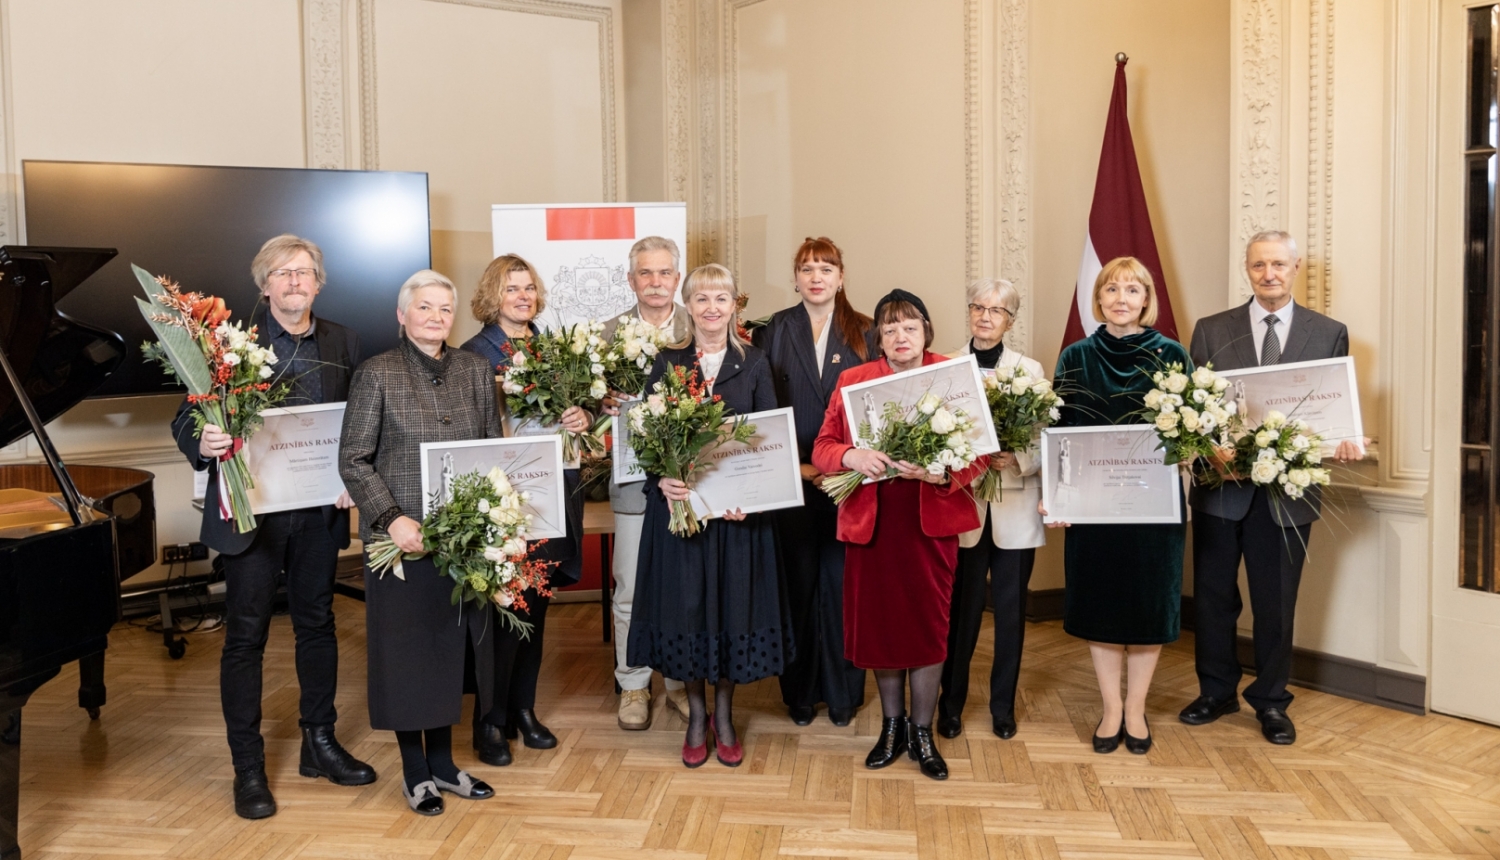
(654, 274)
(1240, 520)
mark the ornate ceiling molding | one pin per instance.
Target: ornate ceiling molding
(602, 16)
(1256, 127)
(323, 82)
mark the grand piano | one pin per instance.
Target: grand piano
(68, 534)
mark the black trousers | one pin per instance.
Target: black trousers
(1273, 557)
(1009, 573)
(295, 547)
(518, 662)
(813, 576)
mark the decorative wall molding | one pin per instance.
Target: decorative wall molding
(677, 54)
(1256, 127)
(601, 16)
(323, 82)
(973, 142)
(10, 227)
(708, 223)
(1319, 251)
(1013, 209)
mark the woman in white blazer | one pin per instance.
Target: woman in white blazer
(1003, 549)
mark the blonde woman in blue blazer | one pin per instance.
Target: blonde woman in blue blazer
(1003, 549)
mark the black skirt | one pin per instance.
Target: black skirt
(417, 639)
(710, 606)
(1124, 583)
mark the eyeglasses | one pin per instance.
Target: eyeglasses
(982, 311)
(286, 274)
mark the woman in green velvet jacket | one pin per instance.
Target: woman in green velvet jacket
(1124, 582)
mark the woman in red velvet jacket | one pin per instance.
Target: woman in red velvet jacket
(901, 548)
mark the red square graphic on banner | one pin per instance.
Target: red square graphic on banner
(614, 222)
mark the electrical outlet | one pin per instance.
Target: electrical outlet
(174, 553)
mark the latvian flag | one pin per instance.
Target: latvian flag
(582, 251)
(1119, 223)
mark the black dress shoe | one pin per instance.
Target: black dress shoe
(1277, 726)
(252, 793)
(1205, 710)
(841, 716)
(1139, 746)
(1111, 743)
(322, 755)
(533, 734)
(491, 745)
(921, 749)
(801, 714)
(890, 745)
(950, 727)
(1005, 727)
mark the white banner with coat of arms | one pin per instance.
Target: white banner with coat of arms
(582, 251)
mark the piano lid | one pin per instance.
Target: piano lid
(59, 360)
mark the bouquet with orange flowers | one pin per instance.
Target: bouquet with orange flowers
(228, 377)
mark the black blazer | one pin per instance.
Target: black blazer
(338, 349)
(743, 383)
(1226, 340)
(800, 383)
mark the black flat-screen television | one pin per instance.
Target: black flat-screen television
(203, 225)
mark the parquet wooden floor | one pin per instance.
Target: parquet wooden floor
(152, 777)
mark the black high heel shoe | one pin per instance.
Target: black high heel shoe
(530, 729)
(1111, 743)
(890, 745)
(1139, 746)
(921, 749)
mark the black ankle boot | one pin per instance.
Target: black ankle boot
(323, 756)
(533, 734)
(921, 749)
(491, 745)
(891, 743)
(252, 793)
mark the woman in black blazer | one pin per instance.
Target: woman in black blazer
(709, 607)
(809, 345)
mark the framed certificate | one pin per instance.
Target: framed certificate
(533, 464)
(1323, 393)
(763, 474)
(957, 381)
(1110, 474)
(294, 458)
(626, 468)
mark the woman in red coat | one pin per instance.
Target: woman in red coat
(901, 548)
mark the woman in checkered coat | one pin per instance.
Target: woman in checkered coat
(421, 391)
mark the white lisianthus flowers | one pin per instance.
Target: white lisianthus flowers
(942, 422)
(929, 403)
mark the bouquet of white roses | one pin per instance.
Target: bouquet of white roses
(1282, 454)
(1192, 417)
(926, 434)
(1020, 405)
(553, 372)
(478, 539)
(628, 361)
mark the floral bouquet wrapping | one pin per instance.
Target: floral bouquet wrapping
(478, 539)
(553, 372)
(1282, 454)
(228, 377)
(1020, 405)
(1191, 415)
(673, 432)
(628, 361)
(926, 434)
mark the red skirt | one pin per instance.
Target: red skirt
(899, 587)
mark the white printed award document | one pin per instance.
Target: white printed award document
(1323, 393)
(1109, 474)
(627, 469)
(957, 381)
(533, 464)
(294, 458)
(763, 474)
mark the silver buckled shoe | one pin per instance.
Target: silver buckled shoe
(468, 786)
(424, 799)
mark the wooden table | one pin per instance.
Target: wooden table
(599, 519)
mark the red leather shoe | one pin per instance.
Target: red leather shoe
(696, 756)
(728, 756)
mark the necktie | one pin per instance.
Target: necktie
(1270, 350)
